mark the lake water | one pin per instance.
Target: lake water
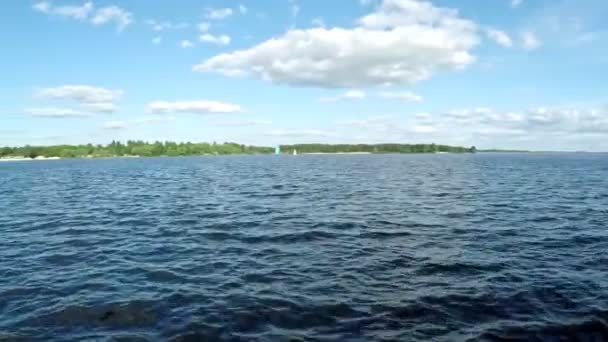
(330, 248)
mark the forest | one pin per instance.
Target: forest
(377, 148)
(156, 149)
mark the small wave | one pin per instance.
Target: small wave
(592, 329)
(457, 268)
(308, 236)
(543, 219)
(383, 234)
(124, 315)
(62, 259)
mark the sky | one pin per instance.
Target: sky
(517, 74)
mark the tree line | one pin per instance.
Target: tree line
(133, 148)
(146, 149)
(377, 148)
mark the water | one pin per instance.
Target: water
(330, 248)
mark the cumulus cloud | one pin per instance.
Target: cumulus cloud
(242, 9)
(318, 22)
(115, 14)
(154, 119)
(530, 41)
(246, 123)
(100, 107)
(204, 26)
(91, 100)
(500, 37)
(403, 41)
(115, 125)
(80, 93)
(196, 107)
(516, 3)
(424, 129)
(53, 112)
(299, 133)
(533, 122)
(74, 12)
(157, 40)
(217, 40)
(542, 127)
(87, 12)
(295, 10)
(352, 95)
(186, 44)
(160, 26)
(218, 13)
(405, 96)
(43, 6)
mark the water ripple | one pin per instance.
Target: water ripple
(315, 248)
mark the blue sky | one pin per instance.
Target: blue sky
(498, 73)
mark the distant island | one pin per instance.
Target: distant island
(169, 149)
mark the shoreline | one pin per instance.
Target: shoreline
(317, 153)
(18, 159)
(89, 157)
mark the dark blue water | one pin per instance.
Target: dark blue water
(328, 248)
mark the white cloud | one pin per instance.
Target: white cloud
(115, 14)
(186, 44)
(75, 12)
(349, 95)
(530, 41)
(298, 133)
(365, 2)
(157, 40)
(218, 13)
(197, 107)
(242, 9)
(318, 22)
(424, 129)
(100, 107)
(549, 128)
(500, 37)
(159, 26)
(405, 96)
(422, 116)
(43, 6)
(246, 123)
(516, 3)
(80, 93)
(91, 100)
(204, 26)
(53, 112)
(154, 119)
(218, 40)
(295, 10)
(404, 41)
(88, 12)
(536, 123)
(115, 125)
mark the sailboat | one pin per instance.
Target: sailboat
(295, 153)
(277, 150)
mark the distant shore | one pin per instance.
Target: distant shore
(315, 153)
(8, 159)
(182, 149)
(19, 159)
